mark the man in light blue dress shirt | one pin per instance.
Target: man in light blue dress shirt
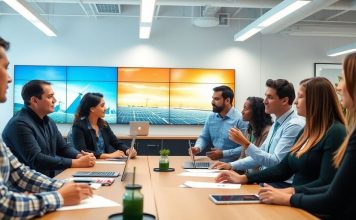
(282, 135)
(217, 125)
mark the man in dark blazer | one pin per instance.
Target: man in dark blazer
(34, 137)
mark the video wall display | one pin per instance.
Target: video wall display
(158, 95)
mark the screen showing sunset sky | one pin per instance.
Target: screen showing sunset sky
(157, 95)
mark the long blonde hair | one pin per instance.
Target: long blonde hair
(349, 68)
(322, 110)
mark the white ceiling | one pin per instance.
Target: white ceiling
(319, 18)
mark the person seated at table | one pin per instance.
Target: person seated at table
(91, 133)
(216, 126)
(34, 138)
(336, 200)
(310, 159)
(259, 124)
(279, 98)
(25, 193)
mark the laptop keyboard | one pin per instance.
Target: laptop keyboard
(97, 174)
(202, 164)
(199, 165)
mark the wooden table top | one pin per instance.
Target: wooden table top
(164, 198)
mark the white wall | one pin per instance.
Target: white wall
(84, 41)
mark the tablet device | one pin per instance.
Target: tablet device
(234, 199)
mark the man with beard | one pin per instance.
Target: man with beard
(217, 125)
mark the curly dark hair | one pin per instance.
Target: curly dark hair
(260, 119)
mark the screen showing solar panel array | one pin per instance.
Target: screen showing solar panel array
(158, 95)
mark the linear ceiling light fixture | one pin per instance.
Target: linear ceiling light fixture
(25, 10)
(145, 32)
(146, 16)
(342, 50)
(275, 14)
(147, 10)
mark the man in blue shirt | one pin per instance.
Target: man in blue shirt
(282, 135)
(217, 125)
(25, 193)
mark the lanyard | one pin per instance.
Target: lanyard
(275, 128)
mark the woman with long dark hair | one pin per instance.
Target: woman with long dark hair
(259, 124)
(337, 200)
(91, 133)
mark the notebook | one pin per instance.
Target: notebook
(124, 172)
(193, 164)
(139, 128)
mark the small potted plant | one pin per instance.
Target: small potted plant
(163, 160)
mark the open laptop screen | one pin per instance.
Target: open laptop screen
(139, 128)
(193, 164)
(124, 172)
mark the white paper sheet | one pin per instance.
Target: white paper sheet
(89, 203)
(95, 185)
(212, 175)
(202, 170)
(193, 184)
(109, 162)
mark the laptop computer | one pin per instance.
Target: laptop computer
(193, 164)
(139, 128)
(106, 173)
(124, 172)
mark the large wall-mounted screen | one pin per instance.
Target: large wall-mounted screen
(158, 95)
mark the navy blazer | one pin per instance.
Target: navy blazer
(84, 138)
(37, 142)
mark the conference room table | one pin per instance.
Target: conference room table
(167, 200)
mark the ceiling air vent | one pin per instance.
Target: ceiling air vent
(108, 8)
(224, 19)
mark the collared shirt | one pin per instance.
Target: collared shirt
(100, 140)
(15, 179)
(279, 145)
(215, 133)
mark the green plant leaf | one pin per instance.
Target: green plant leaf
(164, 152)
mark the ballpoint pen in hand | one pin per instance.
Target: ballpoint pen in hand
(191, 152)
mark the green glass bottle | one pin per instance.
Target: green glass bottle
(133, 202)
(163, 163)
